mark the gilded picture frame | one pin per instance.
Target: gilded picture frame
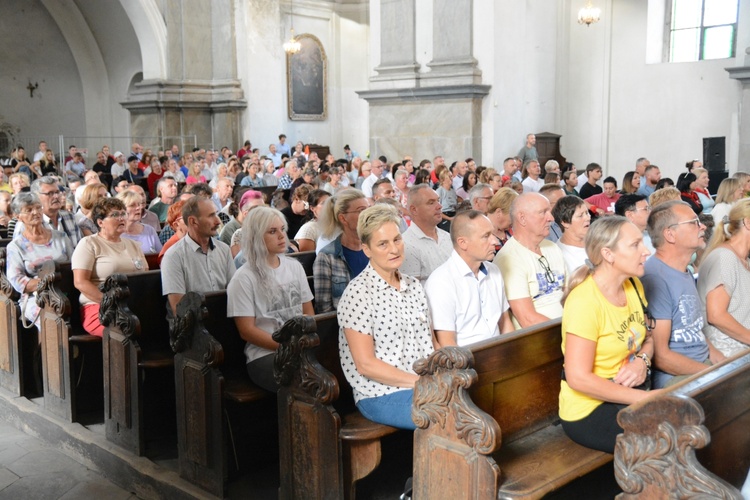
(307, 80)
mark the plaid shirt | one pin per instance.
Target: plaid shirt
(285, 182)
(331, 274)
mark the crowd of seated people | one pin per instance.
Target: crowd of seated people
(419, 255)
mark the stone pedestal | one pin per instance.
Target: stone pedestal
(210, 110)
(424, 122)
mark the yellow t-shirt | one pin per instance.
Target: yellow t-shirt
(617, 331)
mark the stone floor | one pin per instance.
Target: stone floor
(30, 469)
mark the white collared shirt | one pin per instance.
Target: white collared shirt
(422, 254)
(464, 303)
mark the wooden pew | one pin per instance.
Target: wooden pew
(12, 336)
(313, 397)
(71, 358)
(710, 412)
(210, 369)
(135, 345)
(306, 259)
(466, 402)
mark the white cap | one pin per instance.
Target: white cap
(118, 154)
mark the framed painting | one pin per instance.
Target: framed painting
(307, 80)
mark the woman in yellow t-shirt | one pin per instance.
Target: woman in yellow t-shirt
(607, 352)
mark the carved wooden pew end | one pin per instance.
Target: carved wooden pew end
(71, 358)
(464, 398)
(209, 371)
(131, 349)
(311, 431)
(655, 457)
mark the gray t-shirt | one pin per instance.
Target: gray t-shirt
(722, 268)
(672, 295)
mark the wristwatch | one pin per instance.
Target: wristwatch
(645, 359)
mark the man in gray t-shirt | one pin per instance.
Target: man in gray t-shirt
(680, 348)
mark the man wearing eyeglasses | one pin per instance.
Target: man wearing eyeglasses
(480, 196)
(466, 294)
(636, 209)
(533, 267)
(680, 348)
(48, 191)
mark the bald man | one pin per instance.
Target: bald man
(466, 294)
(533, 267)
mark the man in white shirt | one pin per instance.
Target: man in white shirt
(533, 182)
(466, 294)
(459, 171)
(426, 246)
(42, 150)
(118, 167)
(375, 173)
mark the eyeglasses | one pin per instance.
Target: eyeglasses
(695, 221)
(50, 193)
(548, 274)
(117, 215)
(357, 211)
(647, 208)
(27, 211)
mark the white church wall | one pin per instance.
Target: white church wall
(515, 45)
(621, 107)
(34, 50)
(262, 27)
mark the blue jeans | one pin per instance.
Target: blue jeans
(392, 409)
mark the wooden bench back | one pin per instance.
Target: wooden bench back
(11, 354)
(709, 412)
(306, 259)
(224, 330)
(519, 378)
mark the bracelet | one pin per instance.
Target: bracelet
(645, 359)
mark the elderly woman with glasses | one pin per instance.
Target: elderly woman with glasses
(102, 254)
(36, 244)
(135, 229)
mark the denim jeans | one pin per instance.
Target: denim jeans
(392, 409)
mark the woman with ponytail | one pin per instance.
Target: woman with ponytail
(724, 280)
(605, 342)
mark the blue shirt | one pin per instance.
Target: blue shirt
(356, 259)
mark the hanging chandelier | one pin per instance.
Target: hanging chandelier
(589, 14)
(292, 46)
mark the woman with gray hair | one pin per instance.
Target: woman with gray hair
(36, 244)
(266, 291)
(384, 324)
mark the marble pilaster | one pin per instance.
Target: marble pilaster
(397, 42)
(453, 62)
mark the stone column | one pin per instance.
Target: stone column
(201, 95)
(397, 41)
(742, 74)
(453, 61)
(441, 112)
